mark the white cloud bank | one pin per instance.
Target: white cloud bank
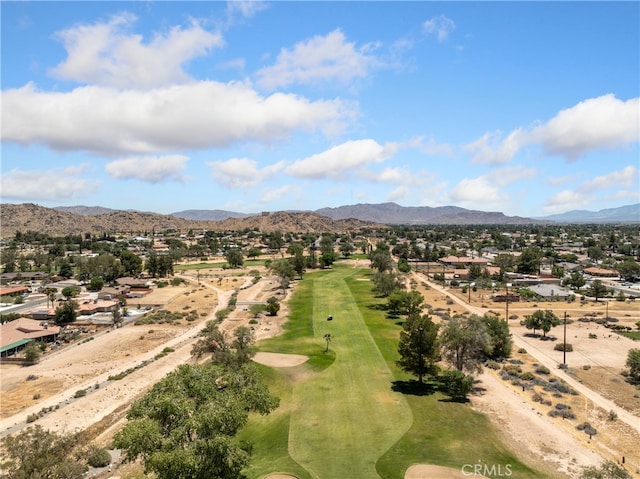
(604, 122)
(440, 26)
(319, 59)
(107, 54)
(50, 185)
(242, 172)
(198, 115)
(339, 161)
(150, 169)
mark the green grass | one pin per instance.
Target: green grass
(635, 335)
(342, 414)
(247, 264)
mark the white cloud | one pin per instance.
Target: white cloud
(400, 193)
(273, 194)
(490, 149)
(477, 193)
(510, 174)
(50, 185)
(566, 200)
(319, 59)
(337, 162)
(107, 54)
(399, 176)
(151, 169)
(631, 195)
(246, 9)
(192, 116)
(242, 172)
(625, 177)
(598, 123)
(441, 26)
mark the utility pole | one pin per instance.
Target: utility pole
(507, 312)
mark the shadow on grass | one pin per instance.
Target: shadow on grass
(414, 388)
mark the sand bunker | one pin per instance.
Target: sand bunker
(429, 471)
(278, 475)
(278, 360)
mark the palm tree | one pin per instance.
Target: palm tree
(327, 339)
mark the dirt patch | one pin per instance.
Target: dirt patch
(278, 360)
(428, 471)
(610, 384)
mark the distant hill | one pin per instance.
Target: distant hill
(392, 213)
(27, 216)
(84, 210)
(208, 215)
(622, 214)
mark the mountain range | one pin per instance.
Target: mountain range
(98, 220)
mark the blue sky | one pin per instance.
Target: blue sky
(529, 108)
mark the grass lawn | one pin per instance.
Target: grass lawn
(350, 412)
(635, 335)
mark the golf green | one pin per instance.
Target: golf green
(344, 418)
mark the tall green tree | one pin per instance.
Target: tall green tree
(465, 342)
(184, 427)
(542, 320)
(418, 346)
(530, 259)
(501, 342)
(633, 363)
(67, 312)
(35, 453)
(597, 289)
(234, 257)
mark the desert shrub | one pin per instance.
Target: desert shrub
(32, 377)
(516, 361)
(253, 321)
(522, 351)
(612, 415)
(527, 376)
(98, 457)
(586, 367)
(542, 370)
(36, 396)
(80, 393)
(490, 364)
(512, 370)
(568, 347)
(593, 336)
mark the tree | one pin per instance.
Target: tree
(283, 269)
(131, 263)
(234, 257)
(529, 261)
(38, 453)
(184, 427)
(66, 271)
(607, 470)
(116, 317)
(273, 306)
(405, 302)
(457, 384)
(543, 320)
(386, 282)
(629, 269)
(465, 342)
(597, 289)
(67, 313)
(576, 280)
(96, 284)
(633, 363)
(500, 336)
(418, 346)
(327, 340)
(69, 292)
(381, 258)
(32, 353)
(212, 341)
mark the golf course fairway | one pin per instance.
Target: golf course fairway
(345, 417)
